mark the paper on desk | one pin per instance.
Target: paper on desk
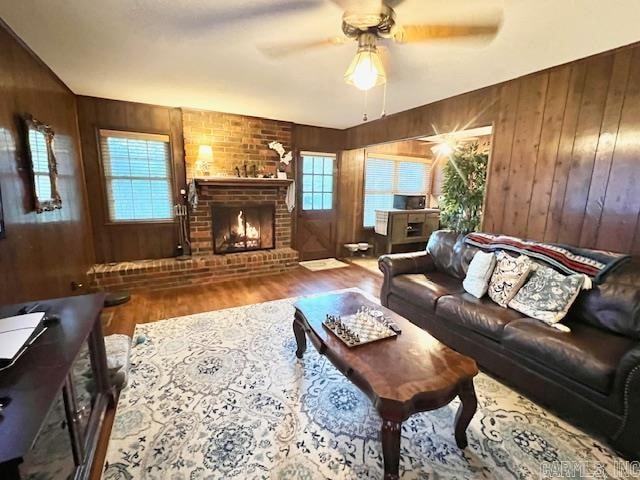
(28, 320)
(15, 331)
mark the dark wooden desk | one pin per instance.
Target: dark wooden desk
(34, 382)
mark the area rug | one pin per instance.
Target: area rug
(221, 395)
(323, 264)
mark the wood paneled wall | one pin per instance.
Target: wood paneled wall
(318, 139)
(128, 241)
(405, 148)
(565, 165)
(42, 253)
(350, 198)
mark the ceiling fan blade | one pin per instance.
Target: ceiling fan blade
(425, 33)
(282, 50)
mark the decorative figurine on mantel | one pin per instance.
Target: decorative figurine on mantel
(285, 158)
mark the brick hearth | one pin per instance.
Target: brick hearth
(199, 270)
(205, 267)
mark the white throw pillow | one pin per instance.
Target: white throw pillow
(479, 273)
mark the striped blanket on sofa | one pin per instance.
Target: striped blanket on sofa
(593, 263)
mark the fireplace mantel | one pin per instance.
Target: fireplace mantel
(243, 182)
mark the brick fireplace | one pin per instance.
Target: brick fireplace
(273, 255)
(238, 194)
(236, 141)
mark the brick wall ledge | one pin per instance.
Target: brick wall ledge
(164, 273)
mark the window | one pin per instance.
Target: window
(40, 160)
(137, 175)
(386, 176)
(317, 181)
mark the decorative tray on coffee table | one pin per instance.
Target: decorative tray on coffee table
(360, 328)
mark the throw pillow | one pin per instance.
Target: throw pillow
(548, 295)
(479, 273)
(509, 275)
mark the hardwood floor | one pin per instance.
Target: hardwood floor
(152, 306)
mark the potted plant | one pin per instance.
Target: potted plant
(465, 177)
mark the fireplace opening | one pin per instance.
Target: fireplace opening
(243, 228)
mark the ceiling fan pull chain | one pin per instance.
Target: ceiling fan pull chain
(364, 115)
(384, 101)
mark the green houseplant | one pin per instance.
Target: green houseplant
(465, 177)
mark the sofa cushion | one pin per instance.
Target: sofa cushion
(425, 289)
(586, 354)
(478, 314)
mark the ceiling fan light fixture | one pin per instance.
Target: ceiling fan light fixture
(366, 70)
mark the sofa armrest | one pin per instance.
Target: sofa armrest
(627, 385)
(403, 263)
(399, 264)
(628, 362)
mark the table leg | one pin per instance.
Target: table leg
(301, 339)
(10, 470)
(466, 411)
(390, 437)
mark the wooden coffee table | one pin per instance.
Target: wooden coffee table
(402, 375)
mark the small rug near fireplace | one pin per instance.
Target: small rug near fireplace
(221, 395)
(324, 264)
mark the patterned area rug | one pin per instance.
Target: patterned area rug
(221, 395)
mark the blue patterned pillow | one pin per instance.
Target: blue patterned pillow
(548, 295)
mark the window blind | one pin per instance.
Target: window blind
(386, 176)
(137, 175)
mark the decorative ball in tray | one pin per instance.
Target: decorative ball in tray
(365, 326)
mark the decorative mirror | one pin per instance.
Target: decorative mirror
(43, 168)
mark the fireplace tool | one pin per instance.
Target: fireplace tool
(184, 246)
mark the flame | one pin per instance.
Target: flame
(250, 231)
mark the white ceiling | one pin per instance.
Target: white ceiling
(203, 54)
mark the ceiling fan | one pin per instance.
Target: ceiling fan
(370, 22)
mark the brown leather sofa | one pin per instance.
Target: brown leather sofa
(590, 376)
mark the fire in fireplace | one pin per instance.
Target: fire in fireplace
(244, 228)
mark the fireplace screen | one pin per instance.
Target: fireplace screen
(241, 229)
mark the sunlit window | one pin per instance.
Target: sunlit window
(137, 175)
(386, 176)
